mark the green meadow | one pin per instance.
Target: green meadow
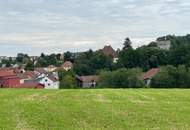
(95, 109)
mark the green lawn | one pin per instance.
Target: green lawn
(138, 109)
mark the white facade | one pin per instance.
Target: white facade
(164, 44)
(67, 68)
(147, 82)
(115, 60)
(23, 80)
(48, 83)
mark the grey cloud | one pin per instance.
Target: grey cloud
(59, 25)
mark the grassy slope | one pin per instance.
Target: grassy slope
(95, 109)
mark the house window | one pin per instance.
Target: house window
(48, 84)
(46, 80)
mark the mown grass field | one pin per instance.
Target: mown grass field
(138, 109)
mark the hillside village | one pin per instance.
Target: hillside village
(45, 77)
(82, 71)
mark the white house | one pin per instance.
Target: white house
(40, 72)
(50, 82)
(164, 44)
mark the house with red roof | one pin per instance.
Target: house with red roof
(8, 79)
(109, 51)
(67, 65)
(147, 77)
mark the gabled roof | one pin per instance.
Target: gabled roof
(50, 76)
(88, 79)
(51, 66)
(30, 74)
(41, 70)
(109, 51)
(67, 64)
(150, 74)
(7, 73)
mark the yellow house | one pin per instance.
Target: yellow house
(51, 68)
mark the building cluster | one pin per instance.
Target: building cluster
(47, 78)
(43, 78)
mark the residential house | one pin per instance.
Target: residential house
(40, 72)
(8, 79)
(49, 82)
(147, 77)
(164, 44)
(67, 65)
(51, 68)
(87, 81)
(109, 51)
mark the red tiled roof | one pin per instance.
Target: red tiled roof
(67, 64)
(30, 74)
(109, 51)
(41, 70)
(150, 74)
(5, 73)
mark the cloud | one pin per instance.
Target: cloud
(34, 26)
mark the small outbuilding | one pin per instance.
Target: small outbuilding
(147, 77)
(87, 81)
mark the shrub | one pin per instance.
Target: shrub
(122, 78)
(172, 77)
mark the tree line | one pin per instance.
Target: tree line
(97, 63)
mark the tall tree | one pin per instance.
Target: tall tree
(90, 63)
(68, 56)
(127, 43)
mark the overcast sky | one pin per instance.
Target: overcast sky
(52, 26)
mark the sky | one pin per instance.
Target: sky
(56, 26)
